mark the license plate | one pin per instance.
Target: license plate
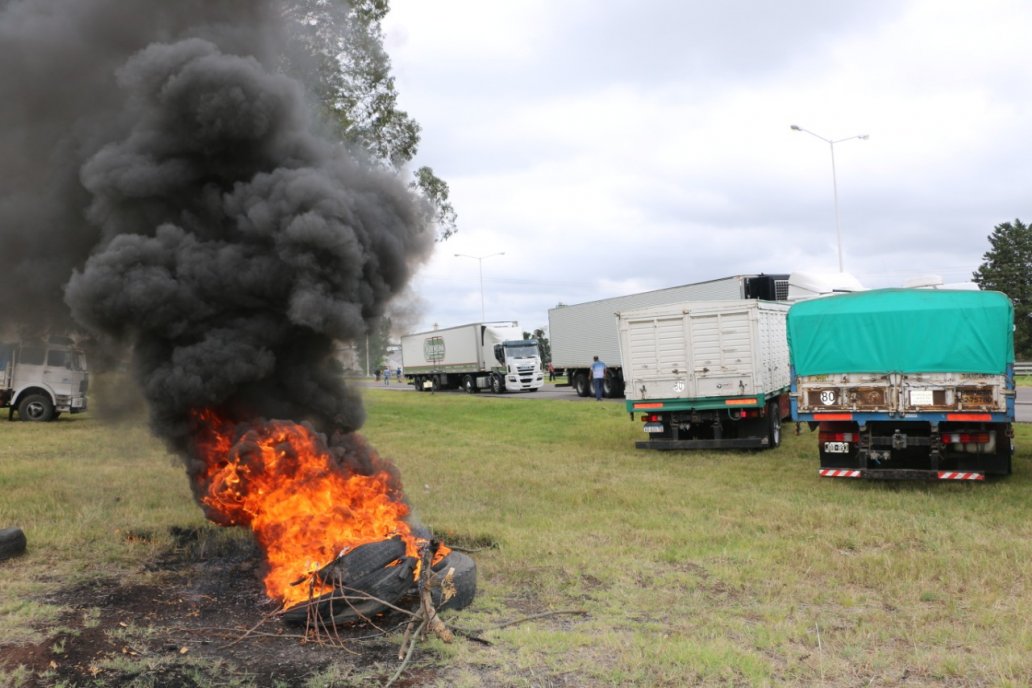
(836, 447)
(653, 427)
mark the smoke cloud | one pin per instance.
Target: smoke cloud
(167, 187)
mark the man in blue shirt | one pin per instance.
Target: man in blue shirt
(598, 374)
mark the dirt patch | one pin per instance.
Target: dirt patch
(180, 623)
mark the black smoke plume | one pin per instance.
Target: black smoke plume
(165, 185)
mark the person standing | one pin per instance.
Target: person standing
(386, 377)
(598, 374)
(551, 372)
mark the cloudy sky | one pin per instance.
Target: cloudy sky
(617, 147)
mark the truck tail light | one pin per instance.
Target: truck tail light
(965, 438)
(651, 418)
(837, 436)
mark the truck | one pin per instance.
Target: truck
(579, 332)
(42, 379)
(707, 374)
(906, 383)
(473, 357)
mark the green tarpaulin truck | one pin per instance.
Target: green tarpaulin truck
(906, 383)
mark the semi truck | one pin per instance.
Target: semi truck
(41, 380)
(707, 374)
(473, 357)
(906, 383)
(579, 332)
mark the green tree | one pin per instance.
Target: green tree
(343, 42)
(1007, 267)
(544, 347)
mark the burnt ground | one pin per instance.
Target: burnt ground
(182, 624)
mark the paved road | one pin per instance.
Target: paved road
(546, 392)
(1023, 402)
(1023, 405)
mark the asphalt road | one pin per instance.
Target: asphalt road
(547, 392)
(1022, 406)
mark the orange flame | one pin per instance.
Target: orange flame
(304, 506)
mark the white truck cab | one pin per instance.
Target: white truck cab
(43, 379)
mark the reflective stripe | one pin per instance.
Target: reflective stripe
(839, 473)
(951, 475)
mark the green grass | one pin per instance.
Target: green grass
(710, 568)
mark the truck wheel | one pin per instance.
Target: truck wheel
(469, 384)
(581, 385)
(497, 384)
(36, 407)
(773, 425)
(611, 386)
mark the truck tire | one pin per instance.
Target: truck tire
(612, 387)
(12, 543)
(469, 384)
(36, 407)
(497, 384)
(773, 425)
(581, 384)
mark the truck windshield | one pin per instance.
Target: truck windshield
(521, 349)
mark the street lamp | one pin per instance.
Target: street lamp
(480, 261)
(834, 183)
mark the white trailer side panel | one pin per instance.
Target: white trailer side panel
(578, 332)
(464, 348)
(704, 349)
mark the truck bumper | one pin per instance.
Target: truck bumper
(75, 404)
(899, 474)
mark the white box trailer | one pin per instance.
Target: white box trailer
(476, 356)
(707, 374)
(579, 332)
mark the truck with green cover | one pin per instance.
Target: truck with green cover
(906, 383)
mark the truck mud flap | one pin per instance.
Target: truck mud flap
(899, 474)
(729, 443)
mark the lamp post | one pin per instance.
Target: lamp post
(834, 182)
(480, 262)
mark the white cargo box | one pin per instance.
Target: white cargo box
(699, 349)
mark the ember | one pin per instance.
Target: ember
(302, 499)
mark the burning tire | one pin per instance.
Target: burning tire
(36, 407)
(12, 543)
(464, 578)
(361, 561)
(366, 581)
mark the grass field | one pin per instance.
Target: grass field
(713, 568)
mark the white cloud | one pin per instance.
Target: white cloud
(610, 148)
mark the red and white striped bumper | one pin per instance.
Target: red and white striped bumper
(951, 475)
(840, 473)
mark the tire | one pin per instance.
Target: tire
(36, 408)
(469, 384)
(363, 560)
(581, 384)
(464, 578)
(612, 387)
(13, 543)
(497, 384)
(386, 584)
(773, 425)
